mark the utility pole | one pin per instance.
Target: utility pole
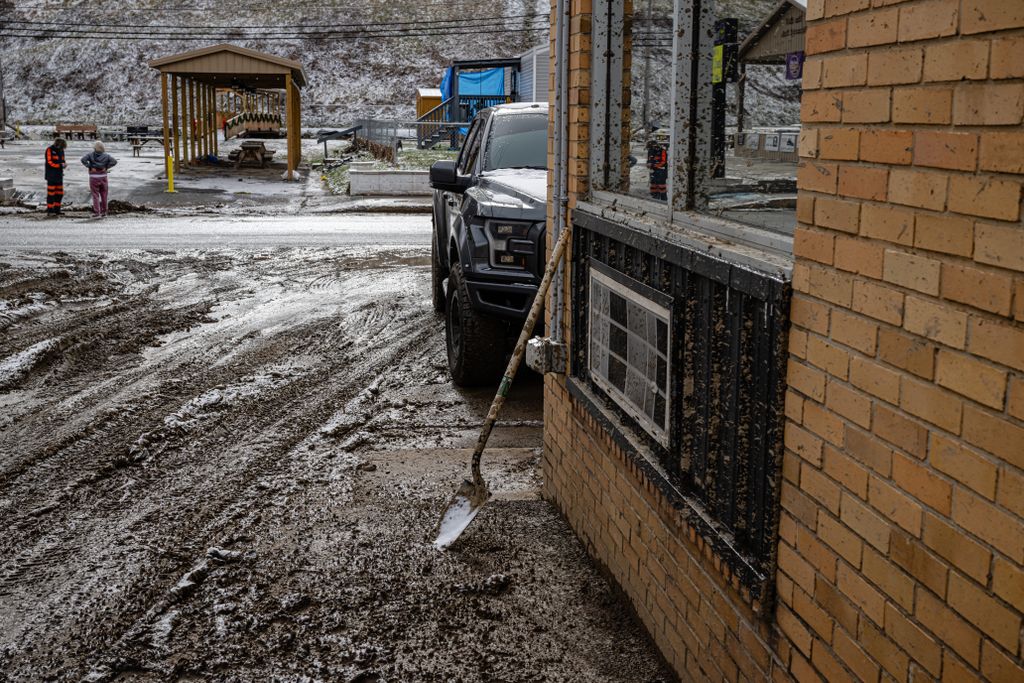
(4, 8)
(645, 114)
(3, 101)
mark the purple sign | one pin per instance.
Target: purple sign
(794, 65)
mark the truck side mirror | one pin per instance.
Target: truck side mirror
(444, 176)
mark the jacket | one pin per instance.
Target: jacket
(98, 162)
(54, 168)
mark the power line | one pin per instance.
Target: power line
(268, 5)
(122, 35)
(389, 24)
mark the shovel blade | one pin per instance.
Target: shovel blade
(463, 508)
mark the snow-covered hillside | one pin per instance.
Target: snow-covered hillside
(105, 80)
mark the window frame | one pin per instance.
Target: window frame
(660, 304)
(689, 129)
(472, 144)
(670, 266)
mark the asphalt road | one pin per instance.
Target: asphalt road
(151, 231)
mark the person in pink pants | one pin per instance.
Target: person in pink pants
(99, 164)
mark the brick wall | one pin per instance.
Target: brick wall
(687, 599)
(902, 539)
(901, 552)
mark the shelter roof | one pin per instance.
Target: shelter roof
(771, 40)
(428, 92)
(485, 63)
(228, 65)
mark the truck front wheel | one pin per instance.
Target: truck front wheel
(475, 342)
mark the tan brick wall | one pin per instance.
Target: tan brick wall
(902, 529)
(702, 622)
(901, 550)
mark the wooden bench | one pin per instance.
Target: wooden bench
(80, 131)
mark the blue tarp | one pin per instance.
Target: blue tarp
(487, 82)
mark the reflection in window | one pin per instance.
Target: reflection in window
(701, 103)
(629, 342)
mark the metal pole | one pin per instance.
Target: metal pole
(3, 102)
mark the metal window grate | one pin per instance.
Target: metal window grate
(721, 443)
(629, 343)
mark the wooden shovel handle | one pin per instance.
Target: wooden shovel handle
(517, 354)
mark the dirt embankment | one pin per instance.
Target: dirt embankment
(227, 465)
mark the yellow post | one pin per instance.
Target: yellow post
(170, 174)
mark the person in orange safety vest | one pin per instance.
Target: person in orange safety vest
(54, 171)
(657, 162)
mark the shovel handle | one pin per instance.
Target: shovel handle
(517, 354)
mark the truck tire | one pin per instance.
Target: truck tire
(475, 342)
(436, 278)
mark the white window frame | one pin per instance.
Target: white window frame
(633, 292)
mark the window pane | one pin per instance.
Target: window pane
(650, 100)
(755, 123)
(629, 352)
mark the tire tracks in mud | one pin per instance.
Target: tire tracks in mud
(175, 495)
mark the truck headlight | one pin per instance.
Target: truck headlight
(509, 243)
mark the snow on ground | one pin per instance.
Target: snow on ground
(15, 367)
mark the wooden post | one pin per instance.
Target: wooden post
(289, 89)
(298, 126)
(208, 118)
(167, 147)
(186, 134)
(216, 122)
(176, 120)
(192, 121)
(200, 121)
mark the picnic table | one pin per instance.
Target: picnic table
(252, 151)
(138, 143)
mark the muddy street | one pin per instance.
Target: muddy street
(224, 446)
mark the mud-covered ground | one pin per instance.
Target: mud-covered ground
(226, 464)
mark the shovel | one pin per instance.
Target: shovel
(472, 494)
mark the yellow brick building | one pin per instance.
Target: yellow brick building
(801, 455)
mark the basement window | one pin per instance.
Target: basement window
(629, 347)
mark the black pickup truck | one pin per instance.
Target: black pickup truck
(490, 211)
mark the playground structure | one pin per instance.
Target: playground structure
(203, 89)
(249, 114)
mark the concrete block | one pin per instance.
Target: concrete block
(388, 183)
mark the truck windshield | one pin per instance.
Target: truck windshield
(517, 141)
